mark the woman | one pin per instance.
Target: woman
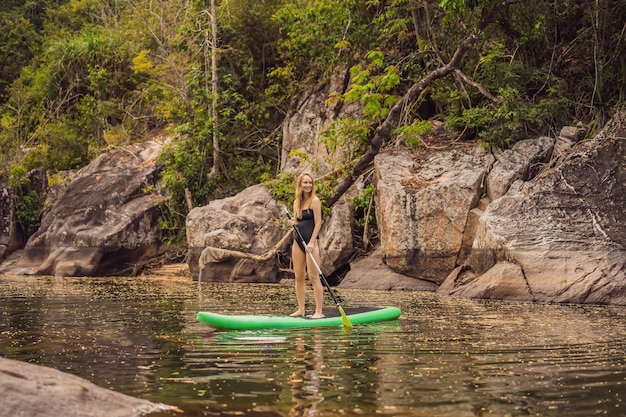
(307, 209)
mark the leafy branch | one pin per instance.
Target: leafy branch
(383, 132)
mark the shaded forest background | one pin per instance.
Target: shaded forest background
(78, 77)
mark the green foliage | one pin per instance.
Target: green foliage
(18, 178)
(412, 133)
(364, 205)
(63, 149)
(373, 86)
(525, 100)
(460, 6)
(79, 75)
(27, 212)
(316, 37)
(62, 107)
(504, 123)
(27, 201)
(283, 188)
(185, 168)
(310, 33)
(18, 41)
(349, 135)
(79, 94)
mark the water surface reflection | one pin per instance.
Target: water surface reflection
(444, 357)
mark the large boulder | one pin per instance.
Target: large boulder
(29, 390)
(249, 222)
(558, 238)
(105, 222)
(235, 239)
(422, 207)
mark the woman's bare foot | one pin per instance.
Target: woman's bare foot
(297, 314)
(317, 316)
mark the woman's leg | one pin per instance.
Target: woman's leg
(316, 282)
(299, 267)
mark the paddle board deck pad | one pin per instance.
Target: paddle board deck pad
(332, 318)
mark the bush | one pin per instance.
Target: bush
(27, 202)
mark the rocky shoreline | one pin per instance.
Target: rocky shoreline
(542, 221)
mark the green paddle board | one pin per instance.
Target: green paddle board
(333, 318)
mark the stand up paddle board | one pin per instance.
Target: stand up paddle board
(333, 318)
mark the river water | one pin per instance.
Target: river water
(443, 357)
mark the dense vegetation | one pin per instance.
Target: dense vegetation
(79, 76)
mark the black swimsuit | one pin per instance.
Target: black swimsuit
(306, 224)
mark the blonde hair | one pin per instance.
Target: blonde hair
(297, 204)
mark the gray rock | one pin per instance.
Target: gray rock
(29, 390)
(422, 208)
(568, 137)
(522, 162)
(249, 222)
(371, 273)
(561, 236)
(105, 222)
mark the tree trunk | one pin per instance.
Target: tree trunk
(218, 164)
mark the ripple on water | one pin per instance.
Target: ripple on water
(443, 357)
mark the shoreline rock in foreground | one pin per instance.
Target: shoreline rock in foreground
(37, 391)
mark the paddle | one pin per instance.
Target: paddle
(302, 243)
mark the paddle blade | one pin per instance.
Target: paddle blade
(344, 317)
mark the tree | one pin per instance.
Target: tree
(18, 42)
(384, 130)
(218, 165)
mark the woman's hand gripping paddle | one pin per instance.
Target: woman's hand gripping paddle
(302, 244)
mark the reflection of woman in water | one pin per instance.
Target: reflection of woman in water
(305, 379)
(307, 209)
